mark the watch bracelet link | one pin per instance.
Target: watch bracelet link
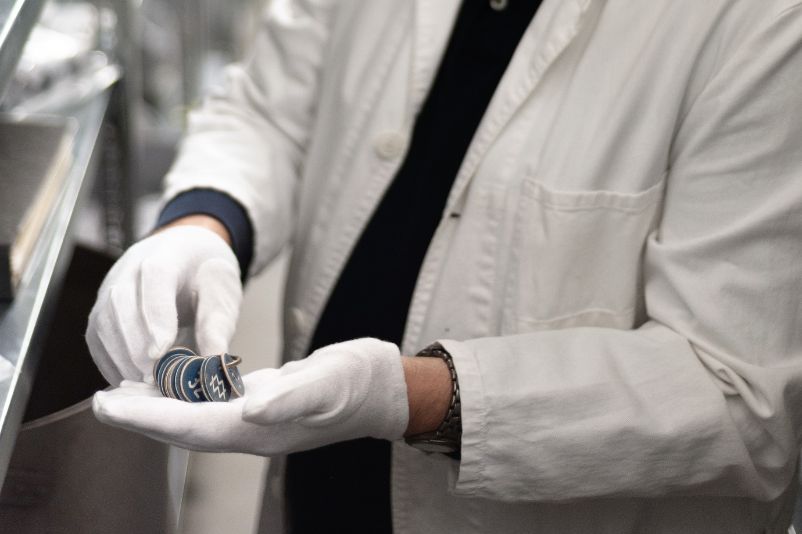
(447, 437)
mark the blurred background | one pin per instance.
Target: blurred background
(129, 71)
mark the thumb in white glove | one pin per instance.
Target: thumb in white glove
(341, 392)
(355, 389)
(181, 276)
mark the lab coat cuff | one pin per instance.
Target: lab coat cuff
(471, 477)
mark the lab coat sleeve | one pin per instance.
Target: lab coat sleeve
(249, 137)
(705, 398)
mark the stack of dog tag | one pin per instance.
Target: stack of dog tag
(181, 374)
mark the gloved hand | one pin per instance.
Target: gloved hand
(344, 391)
(180, 276)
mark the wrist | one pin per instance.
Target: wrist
(428, 391)
(203, 221)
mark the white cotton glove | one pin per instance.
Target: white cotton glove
(341, 392)
(184, 276)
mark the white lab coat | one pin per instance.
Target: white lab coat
(618, 268)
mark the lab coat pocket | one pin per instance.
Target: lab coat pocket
(576, 258)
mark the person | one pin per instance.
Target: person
(583, 215)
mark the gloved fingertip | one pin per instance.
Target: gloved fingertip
(249, 410)
(158, 350)
(255, 411)
(98, 406)
(144, 386)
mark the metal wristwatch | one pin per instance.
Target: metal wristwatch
(448, 436)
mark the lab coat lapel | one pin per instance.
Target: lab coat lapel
(433, 20)
(554, 27)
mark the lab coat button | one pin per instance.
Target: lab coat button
(391, 145)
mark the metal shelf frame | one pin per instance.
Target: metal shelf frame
(23, 320)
